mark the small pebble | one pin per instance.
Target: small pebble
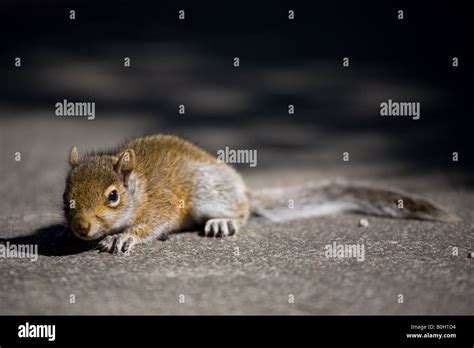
(363, 223)
(471, 255)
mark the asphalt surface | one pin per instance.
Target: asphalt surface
(259, 271)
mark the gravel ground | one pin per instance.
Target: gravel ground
(269, 268)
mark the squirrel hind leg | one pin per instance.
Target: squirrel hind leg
(220, 201)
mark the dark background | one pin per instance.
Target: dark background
(282, 62)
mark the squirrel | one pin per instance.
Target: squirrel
(159, 184)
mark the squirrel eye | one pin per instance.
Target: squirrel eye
(113, 196)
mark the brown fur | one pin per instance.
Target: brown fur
(154, 176)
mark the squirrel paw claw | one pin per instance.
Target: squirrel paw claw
(117, 243)
(220, 227)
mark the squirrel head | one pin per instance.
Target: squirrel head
(99, 194)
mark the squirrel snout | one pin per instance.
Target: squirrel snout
(82, 227)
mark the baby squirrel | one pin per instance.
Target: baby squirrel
(158, 184)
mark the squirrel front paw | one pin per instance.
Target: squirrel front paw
(221, 227)
(118, 243)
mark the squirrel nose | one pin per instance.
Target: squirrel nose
(83, 227)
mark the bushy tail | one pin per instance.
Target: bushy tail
(336, 197)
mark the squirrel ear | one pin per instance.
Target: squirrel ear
(125, 163)
(73, 157)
